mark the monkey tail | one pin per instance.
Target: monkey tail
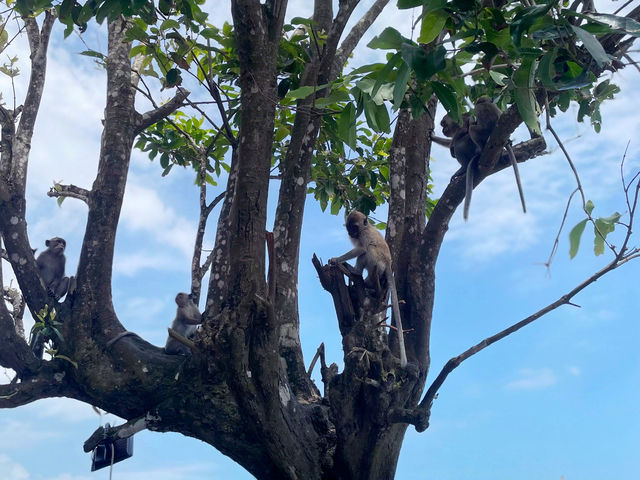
(396, 314)
(514, 164)
(468, 188)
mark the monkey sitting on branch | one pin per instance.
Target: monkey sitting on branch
(373, 253)
(469, 139)
(51, 264)
(187, 317)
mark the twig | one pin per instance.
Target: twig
(577, 177)
(319, 352)
(556, 242)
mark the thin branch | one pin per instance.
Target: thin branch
(556, 242)
(70, 191)
(420, 415)
(577, 177)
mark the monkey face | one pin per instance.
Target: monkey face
(56, 245)
(449, 127)
(355, 222)
(183, 299)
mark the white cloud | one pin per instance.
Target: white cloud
(573, 370)
(68, 476)
(29, 435)
(63, 409)
(144, 210)
(192, 471)
(531, 379)
(12, 470)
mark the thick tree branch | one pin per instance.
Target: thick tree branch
(356, 33)
(105, 200)
(154, 116)
(38, 43)
(50, 383)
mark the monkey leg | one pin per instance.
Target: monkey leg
(61, 288)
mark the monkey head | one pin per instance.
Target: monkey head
(183, 299)
(356, 221)
(56, 245)
(450, 128)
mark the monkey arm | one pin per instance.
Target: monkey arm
(445, 142)
(353, 253)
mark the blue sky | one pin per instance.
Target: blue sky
(559, 398)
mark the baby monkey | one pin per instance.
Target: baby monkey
(469, 139)
(373, 253)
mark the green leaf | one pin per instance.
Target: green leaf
(627, 25)
(498, 77)
(404, 4)
(546, 69)
(384, 74)
(603, 227)
(303, 92)
(424, 63)
(93, 53)
(523, 80)
(173, 78)
(432, 25)
(589, 207)
(525, 19)
(389, 39)
(346, 125)
(574, 237)
(169, 23)
(592, 44)
(447, 97)
(401, 85)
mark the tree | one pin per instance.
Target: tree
(245, 389)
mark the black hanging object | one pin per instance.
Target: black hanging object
(110, 451)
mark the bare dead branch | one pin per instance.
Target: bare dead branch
(556, 242)
(577, 177)
(319, 352)
(69, 191)
(125, 430)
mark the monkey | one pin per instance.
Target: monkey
(373, 253)
(487, 114)
(51, 264)
(187, 317)
(463, 149)
(469, 139)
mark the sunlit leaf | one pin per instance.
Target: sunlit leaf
(574, 238)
